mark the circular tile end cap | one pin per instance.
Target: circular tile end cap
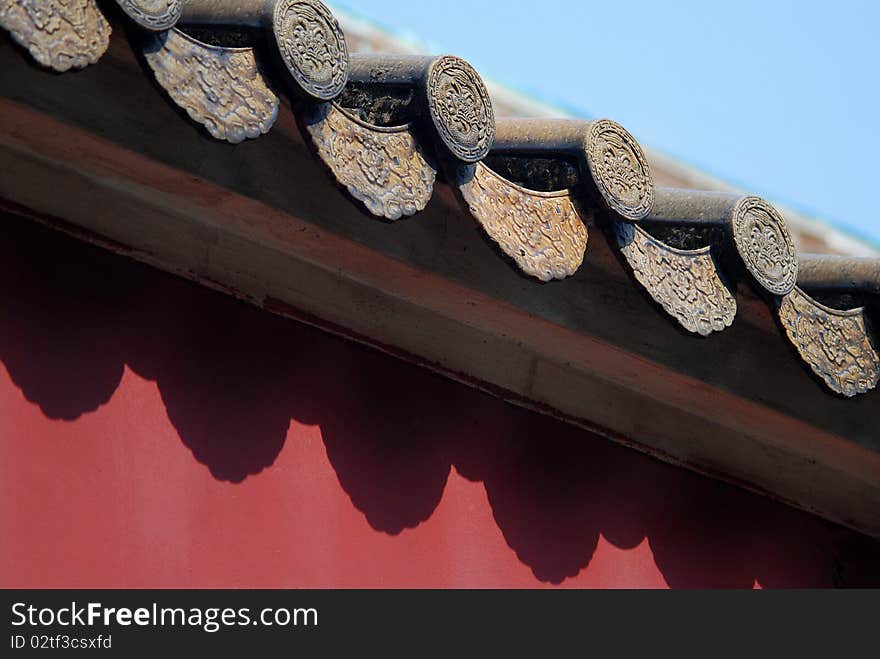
(312, 46)
(460, 108)
(155, 15)
(764, 244)
(620, 170)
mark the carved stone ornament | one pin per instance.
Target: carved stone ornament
(541, 231)
(686, 283)
(620, 170)
(460, 108)
(155, 15)
(312, 46)
(764, 245)
(221, 88)
(384, 168)
(60, 34)
(835, 344)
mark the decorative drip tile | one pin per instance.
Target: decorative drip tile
(59, 34)
(220, 88)
(541, 231)
(383, 168)
(834, 343)
(686, 283)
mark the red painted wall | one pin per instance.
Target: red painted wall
(153, 433)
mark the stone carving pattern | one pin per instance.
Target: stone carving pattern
(764, 244)
(460, 108)
(221, 88)
(686, 283)
(834, 343)
(154, 15)
(384, 168)
(312, 46)
(541, 231)
(60, 34)
(620, 169)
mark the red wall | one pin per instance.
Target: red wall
(153, 433)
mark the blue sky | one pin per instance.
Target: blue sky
(780, 98)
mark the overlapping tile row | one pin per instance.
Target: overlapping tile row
(223, 88)
(387, 127)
